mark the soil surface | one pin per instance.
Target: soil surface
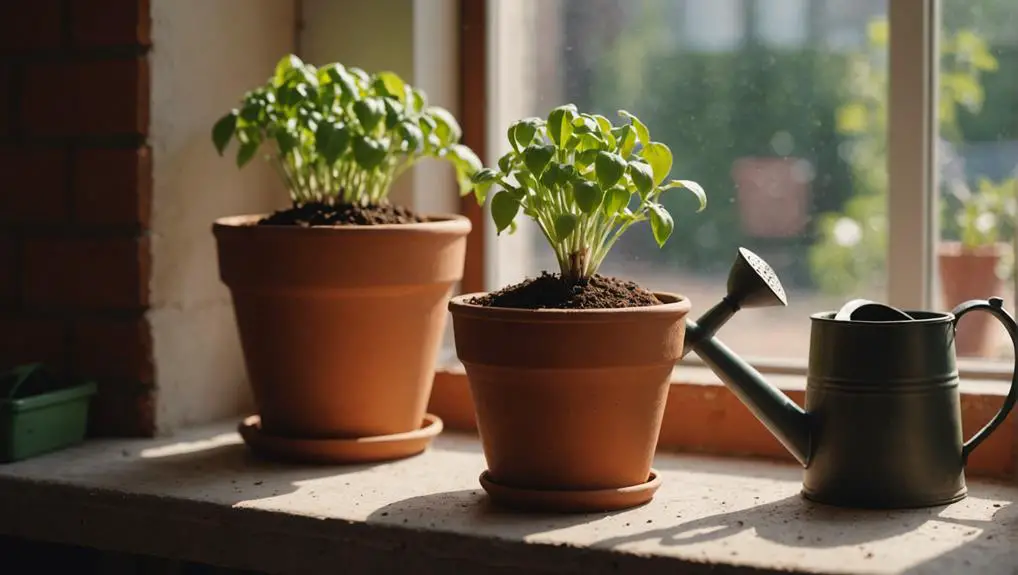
(549, 291)
(322, 214)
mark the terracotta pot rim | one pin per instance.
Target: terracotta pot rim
(956, 249)
(674, 304)
(440, 222)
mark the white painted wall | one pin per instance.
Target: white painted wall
(205, 55)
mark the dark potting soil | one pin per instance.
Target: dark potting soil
(549, 291)
(322, 214)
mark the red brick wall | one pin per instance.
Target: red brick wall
(75, 198)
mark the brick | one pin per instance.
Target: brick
(117, 349)
(110, 23)
(35, 186)
(98, 97)
(113, 186)
(30, 26)
(10, 272)
(86, 273)
(27, 340)
(119, 411)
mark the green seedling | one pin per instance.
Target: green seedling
(339, 135)
(584, 181)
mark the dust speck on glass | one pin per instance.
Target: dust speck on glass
(779, 109)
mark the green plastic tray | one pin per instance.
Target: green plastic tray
(44, 422)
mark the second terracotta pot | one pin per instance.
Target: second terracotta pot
(971, 273)
(569, 400)
(340, 325)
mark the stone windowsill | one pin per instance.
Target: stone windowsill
(200, 496)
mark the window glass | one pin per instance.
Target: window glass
(773, 106)
(978, 165)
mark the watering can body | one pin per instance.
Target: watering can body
(882, 424)
(884, 413)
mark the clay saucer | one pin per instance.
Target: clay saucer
(339, 451)
(597, 500)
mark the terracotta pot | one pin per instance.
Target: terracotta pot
(340, 326)
(970, 273)
(569, 400)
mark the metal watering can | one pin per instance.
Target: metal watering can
(882, 425)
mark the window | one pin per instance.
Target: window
(786, 113)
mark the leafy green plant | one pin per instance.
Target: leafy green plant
(986, 216)
(339, 135)
(576, 175)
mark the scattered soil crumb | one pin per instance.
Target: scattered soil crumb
(549, 291)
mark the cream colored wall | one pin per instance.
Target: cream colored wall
(205, 55)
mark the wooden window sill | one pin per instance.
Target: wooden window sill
(703, 416)
(201, 497)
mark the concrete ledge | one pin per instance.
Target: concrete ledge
(200, 496)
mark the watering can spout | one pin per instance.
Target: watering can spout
(751, 283)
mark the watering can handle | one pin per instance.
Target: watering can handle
(994, 306)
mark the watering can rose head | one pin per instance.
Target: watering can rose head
(337, 134)
(577, 175)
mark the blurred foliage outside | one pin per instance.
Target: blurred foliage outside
(811, 102)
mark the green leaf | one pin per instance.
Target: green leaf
(609, 168)
(565, 224)
(536, 158)
(284, 66)
(369, 112)
(223, 130)
(626, 139)
(523, 131)
(555, 175)
(504, 208)
(585, 125)
(643, 177)
(560, 124)
(641, 130)
(346, 82)
(603, 123)
(588, 195)
(506, 162)
(420, 100)
(586, 158)
(286, 140)
(661, 224)
(465, 158)
(691, 186)
(484, 175)
(389, 84)
(660, 159)
(393, 113)
(246, 152)
(411, 134)
(428, 124)
(368, 152)
(332, 141)
(616, 199)
(446, 127)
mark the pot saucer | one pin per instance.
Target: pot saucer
(339, 451)
(564, 501)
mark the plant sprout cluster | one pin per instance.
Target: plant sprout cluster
(340, 135)
(575, 174)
